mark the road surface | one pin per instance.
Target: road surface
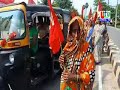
(114, 34)
(53, 84)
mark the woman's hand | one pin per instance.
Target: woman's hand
(65, 75)
(69, 76)
(61, 61)
(72, 77)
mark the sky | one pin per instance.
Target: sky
(78, 3)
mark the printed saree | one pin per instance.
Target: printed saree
(77, 58)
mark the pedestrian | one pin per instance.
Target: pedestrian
(97, 36)
(105, 38)
(76, 59)
(89, 37)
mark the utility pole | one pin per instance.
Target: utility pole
(116, 14)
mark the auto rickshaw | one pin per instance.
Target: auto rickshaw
(41, 15)
(14, 43)
(18, 69)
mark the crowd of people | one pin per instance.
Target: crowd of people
(82, 52)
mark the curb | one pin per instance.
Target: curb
(114, 54)
(116, 64)
(113, 49)
(118, 76)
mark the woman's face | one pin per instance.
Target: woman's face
(75, 30)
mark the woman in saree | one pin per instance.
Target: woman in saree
(76, 59)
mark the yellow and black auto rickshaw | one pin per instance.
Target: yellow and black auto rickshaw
(14, 42)
(18, 68)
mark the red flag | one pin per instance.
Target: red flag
(7, 1)
(100, 7)
(90, 13)
(31, 2)
(56, 36)
(95, 17)
(82, 12)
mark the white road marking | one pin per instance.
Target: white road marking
(99, 77)
(9, 87)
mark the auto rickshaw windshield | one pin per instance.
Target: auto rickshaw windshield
(12, 21)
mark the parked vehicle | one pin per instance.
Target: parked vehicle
(19, 70)
(14, 43)
(17, 64)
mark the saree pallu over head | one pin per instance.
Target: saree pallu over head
(77, 58)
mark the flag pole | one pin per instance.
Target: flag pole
(116, 14)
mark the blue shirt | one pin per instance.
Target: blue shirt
(90, 36)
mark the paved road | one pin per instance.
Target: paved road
(105, 78)
(53, 84)
(114, 34)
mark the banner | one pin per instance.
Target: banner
(104, 15)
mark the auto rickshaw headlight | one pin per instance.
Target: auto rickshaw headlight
(11, 58)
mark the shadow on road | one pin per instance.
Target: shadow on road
(105, 59)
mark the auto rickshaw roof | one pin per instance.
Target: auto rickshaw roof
(12, 4)
(38, 8)
(58, 10)
(43, 8)
(65, 11)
